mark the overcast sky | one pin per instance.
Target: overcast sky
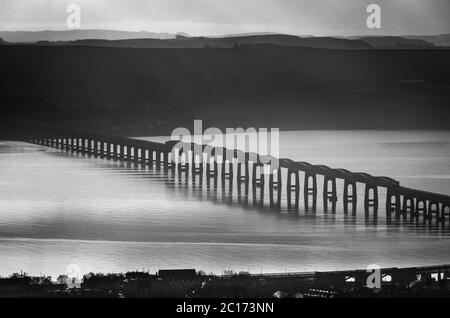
(210, 17)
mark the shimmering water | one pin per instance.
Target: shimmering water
(59, 208)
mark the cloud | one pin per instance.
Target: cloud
(206, 17)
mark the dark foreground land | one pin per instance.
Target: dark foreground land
(430, 281)
(140, 91)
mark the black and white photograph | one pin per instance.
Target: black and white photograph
(230, 150)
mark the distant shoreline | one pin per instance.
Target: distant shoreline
(430, 281)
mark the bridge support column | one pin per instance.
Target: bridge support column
(433, 209)
(258, 176)
(68, 143)
(258, 181)
(275, 187)
(136, 151)
(143, 157)
(95, 148)
(445, 213)
(78, 144)
(392, 206)
(350, 198)
(183, 166)
(168, 160)
(81, 145)
(227, 175)
(421, 208)
(408, 207)
(151, 159)
(119, 155)
(127, 153)
(293, 188)
(310, 189)
(103, 153)
(329, 193)
(211, 171)
(197, 167)
(87, 146)
(243, 173)
(371, 201)
(243, 181)
(107, 152)
(158, 158)
(101, 149)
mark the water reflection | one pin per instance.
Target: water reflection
(257, 198)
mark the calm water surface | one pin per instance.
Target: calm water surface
(58, 208)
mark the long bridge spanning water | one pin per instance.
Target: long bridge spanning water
(246, 168)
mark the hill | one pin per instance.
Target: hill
(73, 35)
(181, 42)
(385, 42)
(151, 91)
(437, 40)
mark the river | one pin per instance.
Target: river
(60, 211)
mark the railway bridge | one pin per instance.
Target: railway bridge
(246, 168)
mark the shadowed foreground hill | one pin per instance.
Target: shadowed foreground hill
(151, 91)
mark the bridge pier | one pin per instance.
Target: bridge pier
(408, 206)
(85, 143)
(371, 201)
(258, 181)
(101, 150)
(158, 158)
(165, 160)
(421, 209)
(91, 147)
(120, 150)
(392, 206)
(211, 171)
(350, 198)
(310, 189)
(76, 145)
(136, 151)
(445, 213)
(293, 188)
(197, 161)
(243, 172)
(212, 168)
(275, 187)
(143, 157)
(258, 175)
(169, 163)
(110, 150)
(96, 148)
(242, 196)
(433, 209)
(227, 175)
(183, 166)
(259, 200)
(329, 193)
